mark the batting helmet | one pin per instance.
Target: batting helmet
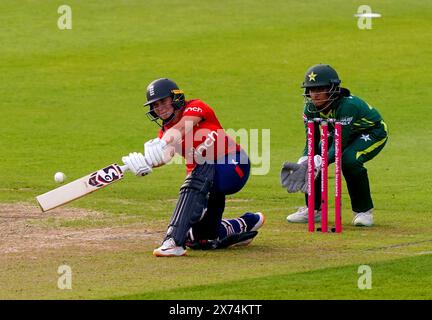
(322, 75)
(160, 89)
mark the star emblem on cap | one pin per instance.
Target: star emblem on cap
(312, 76)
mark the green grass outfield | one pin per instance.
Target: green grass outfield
(71, 101)
(398, 279)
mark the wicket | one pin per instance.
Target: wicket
(324, 174)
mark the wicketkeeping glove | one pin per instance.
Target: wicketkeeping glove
(293, 176)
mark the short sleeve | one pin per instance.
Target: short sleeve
(196, 108)
(160, 133)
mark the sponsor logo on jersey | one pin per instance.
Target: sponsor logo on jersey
(208, 143)
(195, 109)
(346, 120)
(200, 153)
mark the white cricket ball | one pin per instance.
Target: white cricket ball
(59, 177)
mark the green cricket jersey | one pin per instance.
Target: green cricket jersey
(357, 117)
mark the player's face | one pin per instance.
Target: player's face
(319, 95)
(163, 108)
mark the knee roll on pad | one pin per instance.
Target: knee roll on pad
(200, 179)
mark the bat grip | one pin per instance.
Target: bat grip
(124, 168)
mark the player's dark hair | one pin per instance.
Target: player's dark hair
(344, 92)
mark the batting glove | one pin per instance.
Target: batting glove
(154, 151)
(137, 164)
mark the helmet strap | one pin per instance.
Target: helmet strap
(159, 121)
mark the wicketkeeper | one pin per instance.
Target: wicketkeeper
(364, 135)
(216, 166)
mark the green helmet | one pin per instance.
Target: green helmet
(322, 75)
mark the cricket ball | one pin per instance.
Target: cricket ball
(59, 177)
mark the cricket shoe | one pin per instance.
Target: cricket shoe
(169, 249)
(301, 216)
(363, 219)
(253, 222)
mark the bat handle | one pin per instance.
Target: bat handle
(124, 168)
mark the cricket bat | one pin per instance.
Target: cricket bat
(81, 187)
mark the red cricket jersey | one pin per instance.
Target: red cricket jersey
(207, 141)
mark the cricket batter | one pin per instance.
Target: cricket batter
(364, 135)
(216, 166)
